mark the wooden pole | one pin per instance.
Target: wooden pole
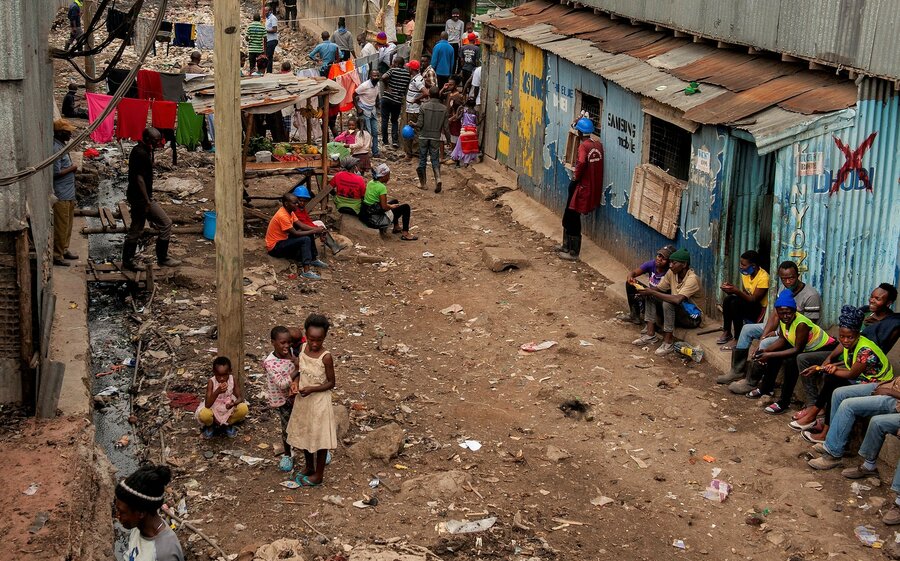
(419, 31)
(23, 279)
(229, 207)
(87, 16)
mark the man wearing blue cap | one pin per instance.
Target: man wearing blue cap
(585, 189)
(304, 222)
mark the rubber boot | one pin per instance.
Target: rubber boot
(565, 244)
(332, 244)
(421, 174)
(755, 373)
(129, 250)
(437, 178)
(574, 249)
(162, 255)
(738, 367)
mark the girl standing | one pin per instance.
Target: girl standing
(462, 153)
(138, 499)
(311, 427)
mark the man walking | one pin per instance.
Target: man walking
(64, 189)
(443, 59)
(454, 29)
(256, 36)
(271, 35)
(585, 189)
(143, 207)
(366, 97)
(290, 13)
(396, 82)
(431, 124)
(325, 52)
(415, 93)
(345, 40)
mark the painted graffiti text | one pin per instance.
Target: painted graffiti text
(623, 125)
(533, 85)
(797, 240)
(853, 163)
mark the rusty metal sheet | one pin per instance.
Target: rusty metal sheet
(577, 23)
(823, 100)
(641, 38)
(532, 8)
(551, 14)
(731, 106)
(735, 71)
(657, 48)
(711, 65)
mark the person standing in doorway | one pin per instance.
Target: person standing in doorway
(431, 125)
(366, 98)
(256, 37)
(143, 207)
(415, 93)
(344, 39)
(290, 13)
(454, 28)
(585, 189)
(271, 35)
(396, 82)
(64, 189)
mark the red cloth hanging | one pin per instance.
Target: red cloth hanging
(149, 84)
(344, 73)
(131, 118)
(163, 114)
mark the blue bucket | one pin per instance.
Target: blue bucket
(209, 225)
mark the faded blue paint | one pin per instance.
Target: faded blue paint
(846, 242)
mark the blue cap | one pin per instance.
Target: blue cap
(786, 299)
(301, 192)
(584, 125)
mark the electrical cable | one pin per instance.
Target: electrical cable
(120, 93)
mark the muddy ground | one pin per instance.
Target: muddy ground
(592, 449)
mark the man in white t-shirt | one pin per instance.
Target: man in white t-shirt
(271, 35)
(415, 94)
(366, 100)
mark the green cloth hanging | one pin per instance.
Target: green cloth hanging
(189, 129)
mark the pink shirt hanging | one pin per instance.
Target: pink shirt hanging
(96, 104)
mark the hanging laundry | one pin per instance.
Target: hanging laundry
(189, 127)
(131, 118)
(210, 127)
(172, 86)
(164, 35)
(205, 37)
(344, 73)
(362, 70)
(117, 24)
(115, 78)
(96, 104)
(184, 35)
(142, 29)
(149, 84)
(163, 114)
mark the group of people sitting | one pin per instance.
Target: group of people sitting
(845, 378)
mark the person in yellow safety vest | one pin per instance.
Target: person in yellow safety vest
(796, 334)
(863, 362)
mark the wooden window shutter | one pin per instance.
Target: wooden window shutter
(656, 199)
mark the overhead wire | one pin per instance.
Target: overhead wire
(120, 93)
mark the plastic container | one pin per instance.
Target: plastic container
(209, 225)
(695, 353)
(468, 141)
(263, 157)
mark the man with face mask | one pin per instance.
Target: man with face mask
(64, 189)
(143, 207)
(366, 101)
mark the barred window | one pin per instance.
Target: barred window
(670, 148)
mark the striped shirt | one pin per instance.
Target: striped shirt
(256, 35)
(396, 82)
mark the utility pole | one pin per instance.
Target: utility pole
(229, 206)
(419, 31)
(87, 16)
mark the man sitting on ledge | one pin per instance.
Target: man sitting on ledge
(285, 240)
(676, 291)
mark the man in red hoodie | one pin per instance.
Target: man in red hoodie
(585, 190)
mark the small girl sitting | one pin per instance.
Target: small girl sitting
(138, 499)
(466, 150)
(311, 427)
(224, 404)
(359, 142)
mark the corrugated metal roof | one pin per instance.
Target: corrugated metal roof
(737, 89)
(264, 94)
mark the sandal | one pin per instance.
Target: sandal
(756, 394)
(724, 339)
(774, 409)
(396, 230)
(303, 481)
(800, 414)
(797, 426)
(409, 238)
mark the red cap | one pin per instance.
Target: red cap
(473, 37)
(413, 64)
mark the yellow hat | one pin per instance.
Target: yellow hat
(63, 125)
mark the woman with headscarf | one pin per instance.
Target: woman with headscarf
(378, 212)
(863, 363)
(796, 334)
(138, 500)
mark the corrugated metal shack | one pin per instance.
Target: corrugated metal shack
(730, 152)
(26, 134)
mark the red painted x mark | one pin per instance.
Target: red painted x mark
(853, 163)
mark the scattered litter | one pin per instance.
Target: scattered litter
(679, 544)
(375, 482)
(709, 458)
(32, 489)
(205, 330)
(129, 362)
(158, 355)
(814, 485)
(360, 504)
(400, 466)
(427, 254)
(123, 442)
(466, 527)
(39, 520)
(641, 463)
(757, 518)
(857, 488)
(425, 293)
(453, 309)
(584, 343)
(716, 472)
(563, 523)
(290, 484)
(181, 508)
(472, 445)
(251, 460)
(533, 347)
(717, 490)
(601, 501)
(109, 390)
(867, 536)
(334, 499)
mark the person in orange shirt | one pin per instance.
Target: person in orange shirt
(285, 240)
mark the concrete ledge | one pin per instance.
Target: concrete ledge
(352, 227)
(69, 339)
